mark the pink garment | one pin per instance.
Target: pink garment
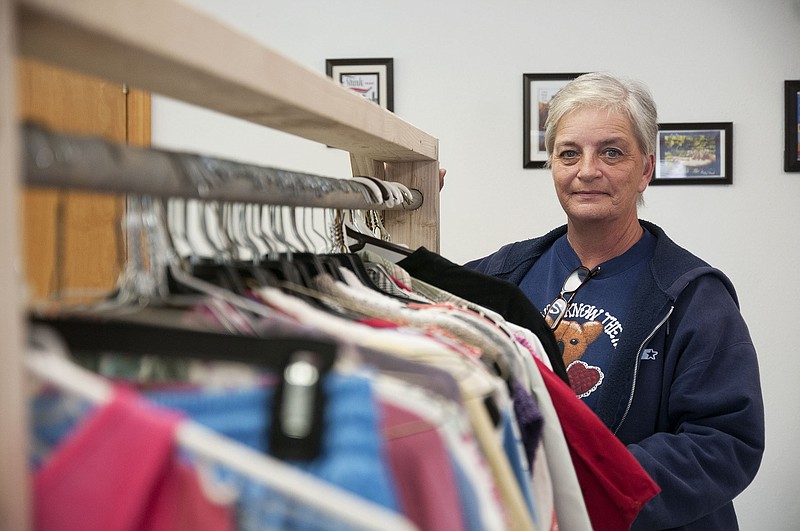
(424, 477)
(615, 486)
(118, 471)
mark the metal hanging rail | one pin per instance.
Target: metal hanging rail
(57, 160)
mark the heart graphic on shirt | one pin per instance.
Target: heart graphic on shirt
(584, 378)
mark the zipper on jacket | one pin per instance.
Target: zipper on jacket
(636, 367)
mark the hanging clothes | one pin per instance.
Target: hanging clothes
(614, 484)
(84, 442)
(441, 405)
(477, 383)
(351, 456)
(79, 485)
(493, 293)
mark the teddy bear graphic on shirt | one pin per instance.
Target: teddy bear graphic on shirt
(573, 339)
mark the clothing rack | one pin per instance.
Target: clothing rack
(186, 55)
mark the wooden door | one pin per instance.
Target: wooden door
(73, 240)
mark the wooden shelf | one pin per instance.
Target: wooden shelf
(171, 49)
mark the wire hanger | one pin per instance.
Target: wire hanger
(101, 331)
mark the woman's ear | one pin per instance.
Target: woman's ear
(647, 171)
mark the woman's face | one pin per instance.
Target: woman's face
(598, 168)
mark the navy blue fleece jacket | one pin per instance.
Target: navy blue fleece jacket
(683, 392)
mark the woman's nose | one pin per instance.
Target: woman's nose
(589, 167)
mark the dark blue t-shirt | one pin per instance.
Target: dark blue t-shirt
(590, 330)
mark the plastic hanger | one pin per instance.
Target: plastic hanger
(391, 251)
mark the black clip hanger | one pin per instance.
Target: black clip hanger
(390, 251)
(296, 428)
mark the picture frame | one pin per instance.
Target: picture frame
(371, 78)
(694, 153)
(792, 148)
(537, 91)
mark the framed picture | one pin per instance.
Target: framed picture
(537, 91)
(694, 153)
(792, 149)
(371, 78)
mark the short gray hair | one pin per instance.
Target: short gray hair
(602, 90)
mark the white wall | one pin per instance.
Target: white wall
(458, 75)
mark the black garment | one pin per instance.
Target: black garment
(490, 292)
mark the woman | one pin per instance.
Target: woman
(651, 335)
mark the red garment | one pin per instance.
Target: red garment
(424, 477)
(615, 486)
(377, 322)
(118, 471)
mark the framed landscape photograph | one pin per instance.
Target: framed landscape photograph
(694, 153)
(792, 149)
(537, 91)
(371, 78)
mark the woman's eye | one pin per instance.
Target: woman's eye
(568, 155)
(612, 153)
